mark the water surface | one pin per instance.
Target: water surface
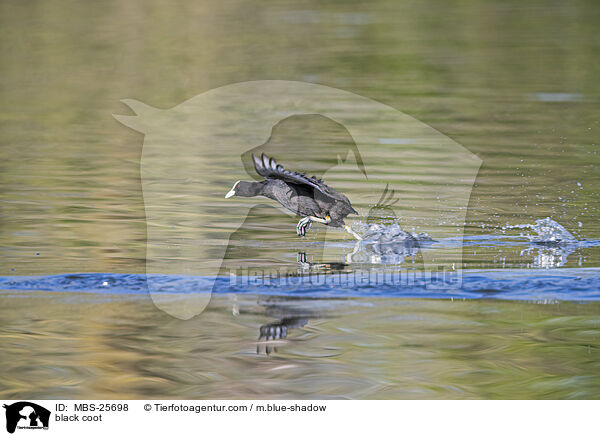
(98, 346)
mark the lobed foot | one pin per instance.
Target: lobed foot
(303, 226)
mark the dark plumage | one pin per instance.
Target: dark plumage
(307, 197)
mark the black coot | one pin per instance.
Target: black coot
(307, 197)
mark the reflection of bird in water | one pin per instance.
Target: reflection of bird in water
(290, 313)
(308, 197)
(321, 267)
(276, 331)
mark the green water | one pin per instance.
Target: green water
(473, 70)
(515, 83)
(67, 346)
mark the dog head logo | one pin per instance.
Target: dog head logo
(25, 414)
(191, 157)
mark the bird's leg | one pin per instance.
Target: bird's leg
(303, 225)
(352, 232)
(320, 220)
(302, 261)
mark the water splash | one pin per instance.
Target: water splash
(547, 231)
(385, 243)
(551, 240)
(387, 233)
(548, 256)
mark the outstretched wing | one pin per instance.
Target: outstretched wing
(270, 169)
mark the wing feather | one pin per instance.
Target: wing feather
(270, 169)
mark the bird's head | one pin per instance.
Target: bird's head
(245, 189)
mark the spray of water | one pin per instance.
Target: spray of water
(547, 231)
